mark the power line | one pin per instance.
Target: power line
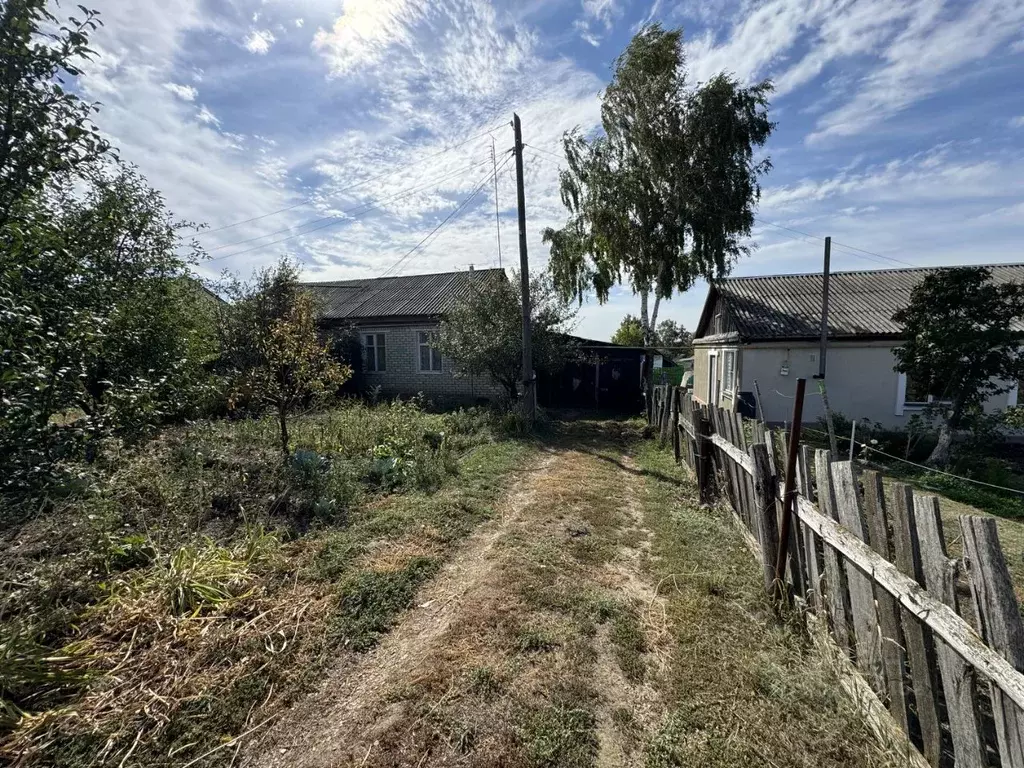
(545, 151)
(448, 218)
(357, 184)
(334, 222)
(371, 206)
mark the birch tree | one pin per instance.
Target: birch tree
(666, 193)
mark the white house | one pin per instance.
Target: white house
(767, 330)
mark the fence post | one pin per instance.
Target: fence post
(674, 422)
(1001, 625)
(703, 447)
(766, 517)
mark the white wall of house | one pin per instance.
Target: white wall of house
(860, 377)
(407, 373)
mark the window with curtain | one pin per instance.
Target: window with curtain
(430, 358)
(374, 352)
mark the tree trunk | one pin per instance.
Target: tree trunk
(282, 420)
(654, 321)
(940, 454)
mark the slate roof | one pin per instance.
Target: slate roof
(406, 296)
(861, 304)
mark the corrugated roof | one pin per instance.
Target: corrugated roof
(860, 303)
(403, 296)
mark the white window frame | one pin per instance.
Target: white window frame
(903, 405)
(712, 369)
(1012, 395)
(377, 337)
(729, 387)
(419, 355)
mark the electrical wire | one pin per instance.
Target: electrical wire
(458, 209)
(373, 205)
(332, 223)
(545, 151)
(357, 184)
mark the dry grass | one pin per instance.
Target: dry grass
(170, 612)
(743, 689)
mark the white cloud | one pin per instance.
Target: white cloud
(1017, 122)
(299, 22)
(927, 56)
(204, 115)
(365, 30)
(603, 11)
(184, 92)
(259, 41)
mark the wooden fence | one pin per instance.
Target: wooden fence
(939, 641)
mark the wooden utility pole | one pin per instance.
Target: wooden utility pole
(529, 401)
(823, 351)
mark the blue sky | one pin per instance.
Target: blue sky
(900, 125)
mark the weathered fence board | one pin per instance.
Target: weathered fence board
(920, 653)
(958, 677)
(1001, 625)
(835, 576)
(891, 632)
(862, 598)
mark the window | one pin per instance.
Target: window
(374, 352)
(430, 358)
(915, 395)
(728, 371)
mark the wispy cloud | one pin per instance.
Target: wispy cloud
(184, 92)
(259, 41)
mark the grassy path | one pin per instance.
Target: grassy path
(599, 619)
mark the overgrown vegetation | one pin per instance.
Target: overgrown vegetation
(482, 333)
(196, 584)
(961, 347)
(102, 331)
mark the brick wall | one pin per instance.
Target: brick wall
(403, 376)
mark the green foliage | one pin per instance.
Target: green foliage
(560, 736)
(667, 193)
(675, 339)
(960, 344)
(372, 599)
(48, 130)
(101, 328)
(272, 353)
(630, 332)
(482, 333)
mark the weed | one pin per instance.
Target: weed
(532, 640)
(484, 682)
(630, 644)
(371, 601)
(559, 736)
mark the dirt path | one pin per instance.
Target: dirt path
(601, 619)
(543, 606)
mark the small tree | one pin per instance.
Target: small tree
(960, 346)
(482, 334)
(630, 332)
(674, 339)
(274, 356)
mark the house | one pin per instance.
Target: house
(396, 319)
(767, 330)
